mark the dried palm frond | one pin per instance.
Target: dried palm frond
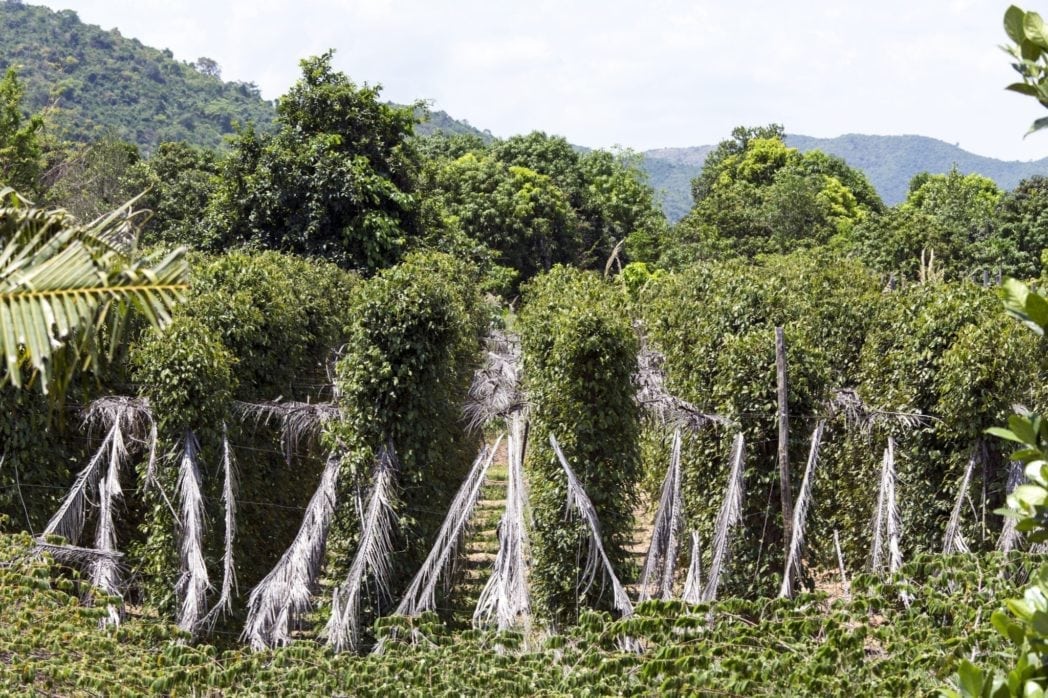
(104, 573)
(614, 258)
(663, 407)
(505, 597)
(1010, 537)
(278, 601)
(596, 558)
(300, 422)
(727, 518)
(68, 521)
(693, 583)
(193, 584)
(123, 419)
(133, 413)
(229, 580)
(800, 517)
(495, 391)
(421, 594)
(953, 541)
(669, 519)
(887, 520)
(847, 403)
(372, 559)
(840, 564)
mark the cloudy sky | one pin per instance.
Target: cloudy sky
(637, 74)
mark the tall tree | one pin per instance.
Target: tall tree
(21, 155)
(757, 195)
(337, 180)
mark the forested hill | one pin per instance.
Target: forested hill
(95, 82)
(888, 161)
(99, 82)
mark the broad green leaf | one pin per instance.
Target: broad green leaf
(1023, 428)
(1034, 30)
(1023, 88)
(1037, 309)
(1003, 433)
(970, 679)
(1038, 125)
(1029, 51)
(1013, 24)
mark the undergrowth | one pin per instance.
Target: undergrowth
(897, 636)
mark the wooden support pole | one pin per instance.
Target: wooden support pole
(785, 489)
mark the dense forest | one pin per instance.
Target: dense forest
(350, 406)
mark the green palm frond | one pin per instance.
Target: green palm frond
(60, 282)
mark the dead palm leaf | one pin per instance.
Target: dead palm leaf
(727, 519)
(800, 517)
(278, 601)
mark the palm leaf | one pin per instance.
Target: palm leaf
(229, 579)
(953, 541)
(693, 583)
(800, 517)
(662, 551)
(505, 597)
(727, 519)
(59, 282)
(193, 584)
(373, 558)
(596, 557)
(280, 599)
(422, 592)
(1009, 532)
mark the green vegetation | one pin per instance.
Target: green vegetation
(367, 307)
(52, 643)
(101, 82)
(409, 353)
(579, 351)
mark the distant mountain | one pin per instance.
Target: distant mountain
(440, 122)
(888, 161)
(94, 82)
(98, 82)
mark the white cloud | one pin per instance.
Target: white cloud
(639, 74)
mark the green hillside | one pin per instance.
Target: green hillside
(96, 82)
(888, 161)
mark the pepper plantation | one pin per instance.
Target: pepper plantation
(358, 412)
(288, 484)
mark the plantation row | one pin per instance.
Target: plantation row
(260, 468)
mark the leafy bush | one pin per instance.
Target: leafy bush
(412, 343)
(579, 357)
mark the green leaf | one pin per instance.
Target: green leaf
(970, 679)
(1034, 29)
(1023, 428)
(1013, 24)
(1003, 433)
(1038, 125)
(1029, 51)
(1023, 88)
(1037, 308)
